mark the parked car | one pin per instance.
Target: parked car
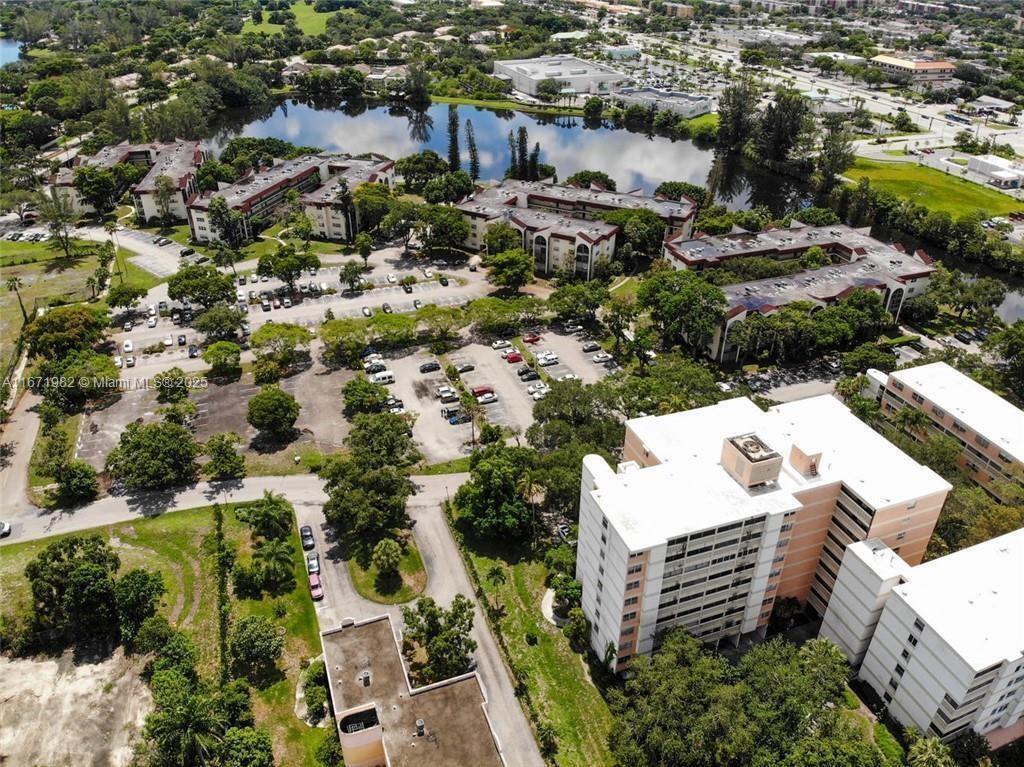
(407, 288)
(367, 311)
(601, 357)
(458, 418)
(417, 304)
(591, 346)
(151, 322)
(444, 389)
(5, 529)
(533, 375)
(478, 391)
(392, 279)
(534, 388)
(500, 344)
(430, 367)
(569, 377)
(547, 361)
(386, 308)
(168, 340)
(487, 399)
(128, 325)
(465, 368)
(306, 534)
(514, 357)
(312, 563)
(443, 280)
(963, 337)
(375, 367)
(524, 370)
(316, 589)
(128, 346)
(186, 252)
(182, 341)
(193, 351)
(118, 362)
(531, 338)
(129, 362)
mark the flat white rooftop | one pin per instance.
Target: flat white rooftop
(689, 490)
(969, 402)
(974, 599)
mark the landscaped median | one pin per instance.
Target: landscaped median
(552, 681)
(391, 588)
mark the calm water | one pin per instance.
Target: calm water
(634, 160)
(8, 51)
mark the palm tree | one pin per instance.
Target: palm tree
(529, 488)
(930, 752)
(276, 558)
(188, 731)
(496, 575)
(110, 227)
(270, 517)
(90, 282)
(911, 420)
(14, 285)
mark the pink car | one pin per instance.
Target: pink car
(316, 590)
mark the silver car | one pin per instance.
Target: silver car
(312, 563)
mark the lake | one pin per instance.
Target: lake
(9, 51)
(634, 160)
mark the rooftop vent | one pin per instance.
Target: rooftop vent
(364, 677)
(750, 461)
(420, 728)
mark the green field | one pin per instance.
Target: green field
(933, 188)
(557, 677)
(308, 20)
(178, 545)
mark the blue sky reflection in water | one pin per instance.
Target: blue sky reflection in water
(634, 160)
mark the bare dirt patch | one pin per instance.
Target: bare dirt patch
(59, 713)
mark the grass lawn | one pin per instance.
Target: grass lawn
(182, 235)
(391, 591)
(709, 119)
(557, 678)
(626, 287)
(283, 462)
(453, 466)
(178, 545)
(933, 188)
(133, 273)
(308, 20)
(36, 476)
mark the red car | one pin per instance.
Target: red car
(531, 338)
(514, 357)
(316, 590)
(480, 390)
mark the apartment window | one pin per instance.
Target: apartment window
(900, 536)
(628, 631)
(899, 670)
(631, 601)
(898, 385)
(905, 654)
(604, 523)
(957, 426)
(600, 569)
(597, 616)
(1001, 709)
(938, 411)
(918, 624)
(600, 586)
(625, 646)
(917, 398)
(774, 573)
(634, 569)
(887, 698)
(893, 683)
(785, 528)
(779, 558)
(912, 639)
(1004, 457)
(632, 585)
(604, 539)
(981, 440)
(631, 615)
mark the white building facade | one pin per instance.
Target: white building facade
(942, 643)
(572, 74)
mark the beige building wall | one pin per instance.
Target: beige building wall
(806, 539)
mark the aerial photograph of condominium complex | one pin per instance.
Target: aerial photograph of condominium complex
(512, 383)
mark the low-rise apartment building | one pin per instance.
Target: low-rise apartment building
(561, 225)
(942, 643)
(176, 159)
(989, 430)
(383, 721)
(574, 75)
(716, 513)
(918, 71)
(860, 262)
(257, 195)
(332, 219)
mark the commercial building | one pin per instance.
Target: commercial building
(837, 56)
(918, 71)
(383, 721)
(573, 75)
(683, 104)
(561, 225)
(621, 52)
(942, 643)
(678, 10)
(989, 430)
(716, 513)
(1000, 172)
(859, 262)
(333, 220)
(176, 159)
(257, 195)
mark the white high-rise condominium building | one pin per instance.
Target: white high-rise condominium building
(941, 643)
(717, 512)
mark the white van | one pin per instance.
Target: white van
(383, 377)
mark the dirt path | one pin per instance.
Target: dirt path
(197, 589)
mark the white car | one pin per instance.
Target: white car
(539, 395)
(444, 391)
(118, 362)
(128, 347)
(569, 377)
(151, 311)
(547, 361)
(601, 357)
(428, 273)
(286, 303)
(168, 341)
(537, 387)
(487, 399)
(501, 344)
(392, 279)
(151, 322)
(240, 295)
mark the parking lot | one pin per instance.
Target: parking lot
(514, 408)
(101, 429)
(438, 440)
(568, 347)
